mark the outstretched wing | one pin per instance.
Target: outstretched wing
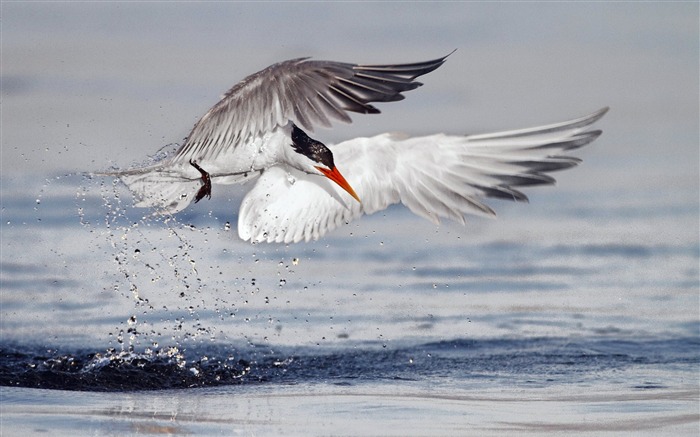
(308, 92)
(437, 176)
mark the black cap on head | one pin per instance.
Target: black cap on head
(314, 150)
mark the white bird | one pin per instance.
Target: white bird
(300, 194)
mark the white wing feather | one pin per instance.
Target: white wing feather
(437, 176)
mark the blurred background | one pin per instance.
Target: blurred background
(86, 86)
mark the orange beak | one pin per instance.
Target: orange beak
(334, 175)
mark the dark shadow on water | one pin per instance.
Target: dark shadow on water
(512, 362)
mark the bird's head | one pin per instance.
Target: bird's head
(316, 158)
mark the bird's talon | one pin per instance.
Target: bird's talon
(205, 189)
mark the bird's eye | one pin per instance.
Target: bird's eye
(314, 150)
(325, 156)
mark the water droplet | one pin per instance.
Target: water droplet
(227, 226)
(282, 282)
(38, 201)
(295, 261)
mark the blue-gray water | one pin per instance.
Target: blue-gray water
(540, 304)
(577, 312)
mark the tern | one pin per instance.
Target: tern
(256, 131)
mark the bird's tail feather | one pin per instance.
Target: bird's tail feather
(161, 187)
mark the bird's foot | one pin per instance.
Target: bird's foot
(205, 189)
